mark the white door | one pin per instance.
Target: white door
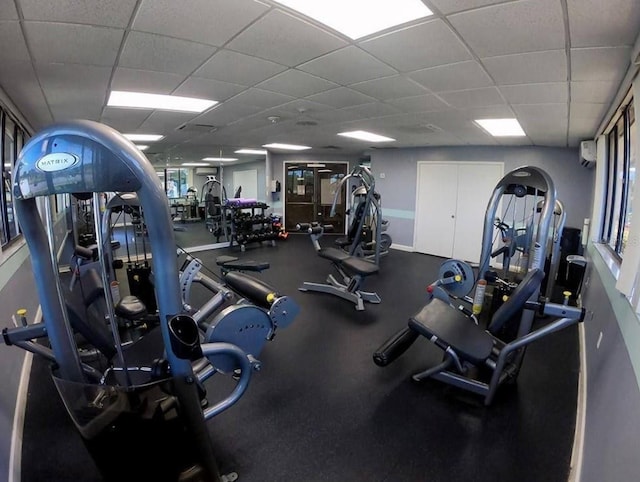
(436, 199)
(476, 182)
(451, 202)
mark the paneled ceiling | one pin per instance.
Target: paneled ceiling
(555, 65)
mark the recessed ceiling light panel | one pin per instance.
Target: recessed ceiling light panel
(143, 137)
(142, 100)
(221, 159)
(366, 136)
(359, 18)
(501, 127)
(142, 147)
(290, 147)
(251, 151)
(195, 164)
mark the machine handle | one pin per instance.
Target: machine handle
(246, 363)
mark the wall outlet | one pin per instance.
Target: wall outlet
(382, 175)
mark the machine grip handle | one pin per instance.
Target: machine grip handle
(257, 291)
(394, 347)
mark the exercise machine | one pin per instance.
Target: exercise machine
(366, 236)
(123, 411)
(352, 270)
(476, 358)
(213, 197)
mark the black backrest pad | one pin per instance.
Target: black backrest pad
(255, 290)
(516, 301)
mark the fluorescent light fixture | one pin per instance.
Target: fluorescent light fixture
(359, 18)
(142, 147)
(291, 147)
(7, 164)
(315, 165)
(194, 164)
(220, 159)
(324, 170)
(366, 136)
(251, 151)
(144, 137)
(141, 100)
(501, 127)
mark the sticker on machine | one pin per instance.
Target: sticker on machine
(57, 161)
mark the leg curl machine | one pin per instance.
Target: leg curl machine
(478, 359)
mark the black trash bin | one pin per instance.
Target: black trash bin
(576, 268)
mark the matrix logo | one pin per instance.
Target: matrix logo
(57, 161)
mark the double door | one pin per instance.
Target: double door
(451, 201)
(310, 189)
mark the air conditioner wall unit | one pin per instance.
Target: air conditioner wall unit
(588, 154)
(206, 171)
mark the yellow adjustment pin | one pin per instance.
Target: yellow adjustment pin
(21, 312)
(271, 297)
(458, 278)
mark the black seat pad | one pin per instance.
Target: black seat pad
(342, 242)
(131, 308)
(233, 263)
(451, 327)
(360, 266)
(334, 254)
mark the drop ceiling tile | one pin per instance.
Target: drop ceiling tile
(91, 12)
(498, 111)
(67, 111)
(574, 141)
(524, 26)
(459, 76)
(387, 88)
(124, 120)
(368, 111)
(227, 113)
(541, 113)
(421, 103)
(211, 22)
(347, 66)
(165, 122)
(425, 45)
(584, 110)
(447, 6)
(19, 81)
(514, 141)
(237, 68)
(341, 97)
(296, 83)
(601, 91)
(208, 89)
(532, 67)
(594, 23)
(69, 88)
(146, 51)
(583, 127)
(606, 63)
(8, 11)
(543, 93)
(76, 44)
(145, 81)
(549, 140)
(11, 35)
(473, 98)
(263, 99)
(276, 37)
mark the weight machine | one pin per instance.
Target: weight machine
(213, 197)
(366, 236)
(123, 411)
(475, 358)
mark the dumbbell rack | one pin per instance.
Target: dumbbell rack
(249, 224)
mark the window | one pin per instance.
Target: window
(620, 178)
(12, 139)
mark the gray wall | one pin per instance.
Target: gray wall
(612, 426)
(574, 184)
(227, 177)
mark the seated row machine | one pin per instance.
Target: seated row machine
(352, 269)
